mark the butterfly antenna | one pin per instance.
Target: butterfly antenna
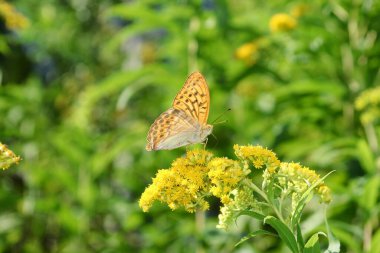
(220, 122)
(229, 109)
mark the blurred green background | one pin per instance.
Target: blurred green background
(81, 81)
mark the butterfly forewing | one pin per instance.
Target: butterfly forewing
(194, 98)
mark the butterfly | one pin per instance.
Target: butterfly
(186, 121)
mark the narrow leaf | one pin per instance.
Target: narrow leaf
(300, 240)
(251, 235)
(312, 245)
(284, 232)
(334, 244)
(253, 214)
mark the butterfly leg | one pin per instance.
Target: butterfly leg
(205, 143)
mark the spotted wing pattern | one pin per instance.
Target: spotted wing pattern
(194, 98)
(183, 123)
(172, 129)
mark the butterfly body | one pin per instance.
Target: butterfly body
(186, 121)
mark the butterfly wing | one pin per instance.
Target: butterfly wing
(194, 98)
(172, 129)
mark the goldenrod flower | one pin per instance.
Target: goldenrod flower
(7, 157)
(183, 185)
(282, 22)
(295, 180)
(198, 175)
(224, 175)
(13, 19)
(368, 103)
(258, 156)
(325, 193)
(242, 199)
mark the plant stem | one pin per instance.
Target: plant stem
(264, 196)
(200, 221)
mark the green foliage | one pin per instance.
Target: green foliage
(81, 82)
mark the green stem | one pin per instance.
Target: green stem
(264, 196)
(200, 221)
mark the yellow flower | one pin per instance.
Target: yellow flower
(183, 185)
(282, 22)
(242, 199)
(13, 19)
(224, 175)
(248, 52)
(258, 156)
(368, 103)
(325, 193)
(295, 179)
(7, 157)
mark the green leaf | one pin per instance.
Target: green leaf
(370, 194)
(375, 244)
(284, 232)
(365, 156)
(253, 234)
(312, 245)
(334, 244)
(300, 240)
(253, 214)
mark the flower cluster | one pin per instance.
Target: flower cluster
(224, 175)
(7, 157)
(191, 179)
(294, 179)
(13, 19)
(258, 156)
(183, 185)
(368, 103)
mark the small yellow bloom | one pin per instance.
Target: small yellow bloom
(248, 52)
(325, 193)
(13, 19)
(7, 157)
(282, 22)
(224, 175)
(368, 103)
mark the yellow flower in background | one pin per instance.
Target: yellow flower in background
(13, 19)
(248, 52)
(368, 103)
(224, 175)
(7, 157)
(282, 22)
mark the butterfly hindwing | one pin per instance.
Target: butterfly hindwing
(170, 130)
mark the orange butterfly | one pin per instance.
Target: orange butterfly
(186, 121)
